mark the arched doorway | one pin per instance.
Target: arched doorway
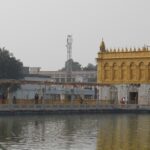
(133, 94)
(114, 95)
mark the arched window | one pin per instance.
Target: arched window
(123, 71)
(114, 72)
(106, 71)
(141, 71)
(133, 74)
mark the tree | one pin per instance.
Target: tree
(10, 68)
(90, 67)
(74, 65)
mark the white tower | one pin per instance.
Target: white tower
(69, 59)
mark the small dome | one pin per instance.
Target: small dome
(102, 46)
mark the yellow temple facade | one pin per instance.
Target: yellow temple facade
(123, 66)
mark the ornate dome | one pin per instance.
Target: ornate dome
(102, 46)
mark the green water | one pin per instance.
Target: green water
(75, 132)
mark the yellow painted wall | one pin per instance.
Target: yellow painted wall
(123, 66)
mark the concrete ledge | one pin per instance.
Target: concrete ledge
(67, 109)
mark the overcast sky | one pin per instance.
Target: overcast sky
(35, 31)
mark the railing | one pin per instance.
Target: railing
(55, 101)
(55, 107)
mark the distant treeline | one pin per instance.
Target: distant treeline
(76, 66)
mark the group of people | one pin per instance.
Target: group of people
(37, 98)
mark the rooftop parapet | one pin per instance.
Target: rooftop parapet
(114, 50)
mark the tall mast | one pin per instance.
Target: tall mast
(69, 59)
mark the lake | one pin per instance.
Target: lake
(75, 132)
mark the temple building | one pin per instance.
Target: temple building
(125, 73)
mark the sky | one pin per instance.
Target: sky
(35, 31)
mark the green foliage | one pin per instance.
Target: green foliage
(10, 68)
(5, 87)
(90, 67)
(75, 65)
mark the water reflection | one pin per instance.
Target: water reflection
(9, 130)
(72, 132)
(125, 132)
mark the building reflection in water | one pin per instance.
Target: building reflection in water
(131, 132)
(65, 132)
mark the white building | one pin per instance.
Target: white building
(61, 76)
